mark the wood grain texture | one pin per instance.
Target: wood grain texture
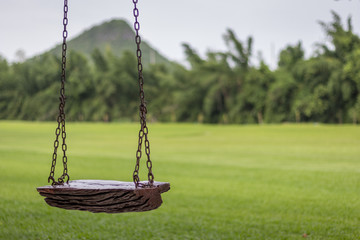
(104, 196)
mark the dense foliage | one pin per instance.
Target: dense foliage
(224, 87)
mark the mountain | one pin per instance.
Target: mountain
(116, 36)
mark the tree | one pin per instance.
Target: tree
(6, 89)
(280, 98)
(239, 53)
(253, 94)
(79, 87)
(351, 71)
(160, 85)
(20, 55)
(343, 41)
(290, 56)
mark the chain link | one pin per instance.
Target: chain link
(143, 133)
(61, 117)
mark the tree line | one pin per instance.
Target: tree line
(223, 87)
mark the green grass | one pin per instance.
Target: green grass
(227, 182)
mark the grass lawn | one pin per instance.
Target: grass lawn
(227, 182)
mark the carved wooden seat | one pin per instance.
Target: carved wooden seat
(104, 196)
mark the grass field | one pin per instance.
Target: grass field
(227, 182)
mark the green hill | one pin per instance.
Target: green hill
(116, 36)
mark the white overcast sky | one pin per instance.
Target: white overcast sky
(35, 25)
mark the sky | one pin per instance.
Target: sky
(35, 26)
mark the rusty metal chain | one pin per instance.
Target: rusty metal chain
(143, 133)
(61, 117)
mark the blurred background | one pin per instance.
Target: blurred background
(213, 62)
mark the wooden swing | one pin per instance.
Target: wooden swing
(103, 195)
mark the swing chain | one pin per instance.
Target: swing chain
(61, 117)
(143, 133)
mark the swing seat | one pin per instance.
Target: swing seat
(104, 196)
